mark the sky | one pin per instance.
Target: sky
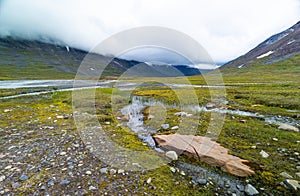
(225, 28)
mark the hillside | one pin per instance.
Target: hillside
(26, 59)
(275, 49)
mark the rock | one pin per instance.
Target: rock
(182, 114)
(113, 171)
(88, 172)
(15, 185)
(107, 123)
(210, 105)
(23, 177)
(64, 182)
(288, 128)
(92, 188)
(103, 170)
(202, 181)
(2, 178)
(175, 127)
(297, 174)
(8, 167)
(121, 171)
(43, 187)
(149, 180)
(173, 169)
(7, 110)
(165, 126)
(264, 154)
(63, 153)
(275, 139)
(51, 183)
(59, 117)
(172, 155)
(286, 175)
(250, 190)
(206, 150)
(293, 185)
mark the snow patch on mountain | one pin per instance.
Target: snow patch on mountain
(265, 55)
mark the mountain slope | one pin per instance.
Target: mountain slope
(25, 59)
(276, 48)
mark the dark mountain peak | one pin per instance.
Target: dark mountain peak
(276, 48)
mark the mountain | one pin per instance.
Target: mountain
(275, 49)
(28, 59)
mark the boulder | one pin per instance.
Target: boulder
(206, 150)
(288, 128)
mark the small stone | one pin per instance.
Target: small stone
(23, 177)
(59, 117)
(293, 185)
(7, 110)
(253, 147)
(121, 171)
(182, 173)
(63, 153)
(288, 127)
(172, 155)
(43, 187)
(64, 182)
(112, 171)
(173, 169)
(296, 153)
(202, 181)
(286, 175)
(2, 178)
(15, 185)
(275, 139)
(8, 167)
(149, 180)
(88, 172)
(103, 170)
(107, 123)
(264, 154)
(250, 190)
(51, 183)
(165, 126)
(92, 188)
(175, 127)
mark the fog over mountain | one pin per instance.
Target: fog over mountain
(232, 28)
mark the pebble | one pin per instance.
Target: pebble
(275, 139)
(23, 177)
(51, 183)
(15, 185)
(172, 155)
(88, 172)
(175, 127)
(165, 126)
(202, 181)
(173, 169)
(121, 171)
(103, 170)
(2, 178)
(112, 171)
(64, 182)
(149, 180)
(92, 188)
(264, 154)
(43, 187)
(251, 190)
(63, 153)
(286, 175)
(8, 167)
(293, 185)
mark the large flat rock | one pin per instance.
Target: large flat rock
(206, 150)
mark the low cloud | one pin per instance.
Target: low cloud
(225, 28)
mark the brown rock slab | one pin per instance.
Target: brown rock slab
(206, 150)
